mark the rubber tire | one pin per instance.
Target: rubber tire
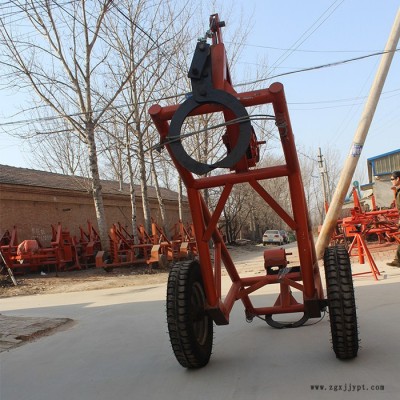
(190, 328)
(341, 302)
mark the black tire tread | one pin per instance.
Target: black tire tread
(341, 302)
(188, 352)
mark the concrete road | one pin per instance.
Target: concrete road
(119, 349)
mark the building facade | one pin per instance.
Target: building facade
(380, 169)
(34, 200)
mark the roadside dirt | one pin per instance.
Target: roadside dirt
(247, 257)
(73, 281)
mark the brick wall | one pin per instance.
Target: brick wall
(34, 209)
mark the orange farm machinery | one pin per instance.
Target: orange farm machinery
(152, 249)
(68, 252)
(368, 231)
(31, 256)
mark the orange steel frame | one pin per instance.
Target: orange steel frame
(205, 222)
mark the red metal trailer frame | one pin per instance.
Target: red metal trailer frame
(213, 92)
(205, 222)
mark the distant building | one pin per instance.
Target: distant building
(380, 167)
(34, 200)
(379, 170)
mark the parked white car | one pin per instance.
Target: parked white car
(272, 237)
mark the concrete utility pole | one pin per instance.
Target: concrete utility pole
(324, 180)
(358, 141)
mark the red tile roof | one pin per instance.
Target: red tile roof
(30, 177)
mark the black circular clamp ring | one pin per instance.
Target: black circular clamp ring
(214, 96)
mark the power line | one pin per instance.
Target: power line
(307, 156)
(78, 114)
(24, 121)
(340, 100)
(182, 94)
(21, 9)
(61, 5)
(300, 41)
(297, 50)
(334, 64)
(177, 66)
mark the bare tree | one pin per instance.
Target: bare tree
(147, 47)
(111, 149)
(65, 62)
(62, 152)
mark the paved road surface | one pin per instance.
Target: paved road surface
(118, 349)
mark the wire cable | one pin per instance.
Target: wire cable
(224, 124)
(300, 41)
(334, 64)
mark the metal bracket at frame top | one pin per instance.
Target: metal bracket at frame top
(203, 91)
(200, 72)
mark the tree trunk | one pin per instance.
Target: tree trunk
(97, 189)
(143, 181)
(132, 191)
(159, 196)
